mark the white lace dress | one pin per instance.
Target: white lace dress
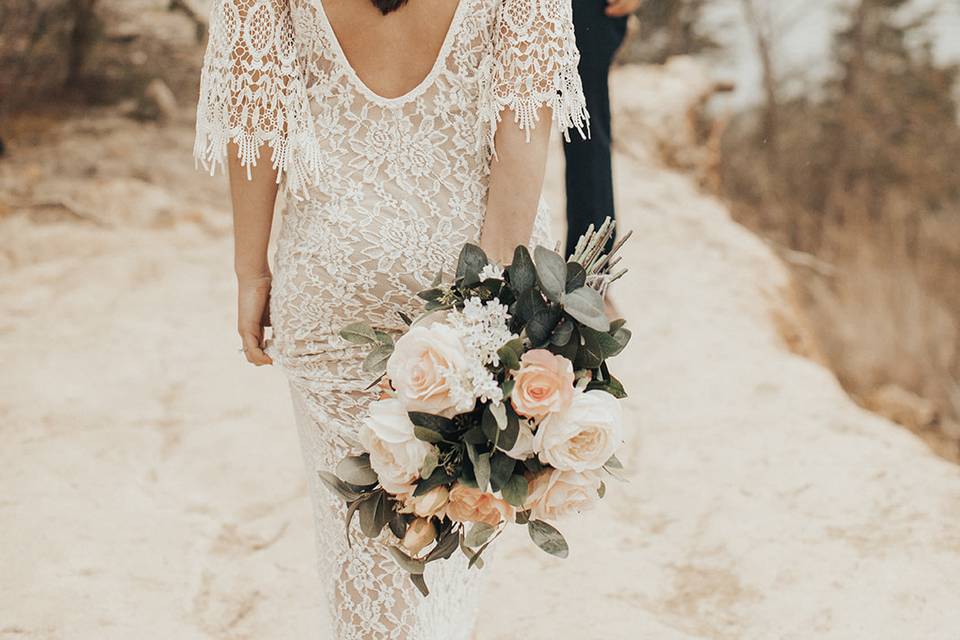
(381, 194)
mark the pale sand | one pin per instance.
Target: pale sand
(152, 486)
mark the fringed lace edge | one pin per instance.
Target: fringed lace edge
(296, 158)
(567, 103)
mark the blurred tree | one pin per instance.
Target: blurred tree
(866, 180)
(668, 28)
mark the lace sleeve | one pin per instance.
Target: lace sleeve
(534, 64)
(252, 91)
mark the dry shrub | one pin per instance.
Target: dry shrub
(81, 52)
(863, 177)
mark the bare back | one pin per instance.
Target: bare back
(391, 54)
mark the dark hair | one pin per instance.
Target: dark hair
(386, 6)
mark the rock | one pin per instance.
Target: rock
(159, 102)
(904, 407)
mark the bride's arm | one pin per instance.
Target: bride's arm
(253, 200)
(516, 180)
(533, 81)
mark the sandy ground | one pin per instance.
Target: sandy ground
(152, 487)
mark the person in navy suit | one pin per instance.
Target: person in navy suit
(600, 27)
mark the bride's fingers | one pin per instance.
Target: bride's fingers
(253, 349)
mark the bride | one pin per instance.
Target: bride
(399, 130)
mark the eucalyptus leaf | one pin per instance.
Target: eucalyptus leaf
(338, 486)
(445, 548)
(576, 276)
(358, 333)
(590, 353)
(602, 490)
(528, 304)
(376, 361)
(606, 344)
(475, 560)
(368, 515)
(499, 412)
(437, 478)
(481, 469)
(501, 468)
(621, 336)
(507, 387)
(476, 435)
(421, 584)
(611, 385)
(522, 517)
(407, 320)
(470, 553)
(383, 337)
(472, 260)
(547, 537)
(562, 333)
(479, 534)
(430, 462)
(551, 271)
(356, 470)
(431, 421)
(427, 435)
(585, 305)
(398, 525)
(541, 325)
(515, 491)
(522, 272)
(488, 423)
(613, 463)
(509, 357)
(509, 435)
(430, 294)
(408, 564)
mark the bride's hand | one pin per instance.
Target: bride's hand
(253, 314)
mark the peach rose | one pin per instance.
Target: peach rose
(396, 454)
(430, 504)
(420, 533)
(467, 504)
(544, 384)
(584, 436)
(555, 493)
(424, 369)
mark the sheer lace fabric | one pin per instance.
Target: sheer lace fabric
(383, 192)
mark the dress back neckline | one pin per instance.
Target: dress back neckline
(420, 87)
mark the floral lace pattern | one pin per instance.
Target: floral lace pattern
(382, 193)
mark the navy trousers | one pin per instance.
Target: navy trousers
(589, 177)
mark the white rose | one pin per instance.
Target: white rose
(584, 436)
(427, 368)
(396, 455)
(555, 493)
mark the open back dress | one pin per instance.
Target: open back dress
(381, 194)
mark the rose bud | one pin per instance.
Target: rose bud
(420, 533)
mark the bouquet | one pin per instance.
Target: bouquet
(498, 407)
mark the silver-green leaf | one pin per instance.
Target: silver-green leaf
(405, 562)
(551, 271)
(585, 305)
(357, 471)
(479, 534)
(359, 333)
(548, 538)
(515, 491)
